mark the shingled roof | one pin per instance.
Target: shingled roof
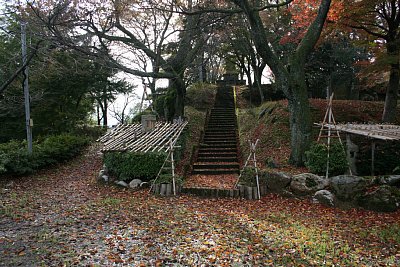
(131, 138)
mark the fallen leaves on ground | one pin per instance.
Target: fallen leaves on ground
(64, 217)
(220, 181)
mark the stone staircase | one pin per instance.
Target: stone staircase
(218, 151)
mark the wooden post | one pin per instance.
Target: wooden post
(28, 120)
(253, 151)
(373, 158)
(171, 147)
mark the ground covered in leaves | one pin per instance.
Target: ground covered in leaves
(222, 181)
(64, 217)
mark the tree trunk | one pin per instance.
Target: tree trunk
(290, 80)
(179, 85)
(257, 81)
(389, 111)
(98, 115)
(105, 107)
(248, 74)
(300, 114)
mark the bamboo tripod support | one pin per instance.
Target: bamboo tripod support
(331, 121)
(252, 158)
(170, 159)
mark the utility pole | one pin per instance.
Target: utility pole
(28, 121)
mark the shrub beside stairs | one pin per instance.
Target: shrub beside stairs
(218, 150)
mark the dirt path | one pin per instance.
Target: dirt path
(63, 217)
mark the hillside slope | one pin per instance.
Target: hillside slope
(270, 123)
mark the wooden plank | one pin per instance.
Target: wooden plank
(376, 131)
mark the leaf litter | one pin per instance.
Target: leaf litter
(63, 217)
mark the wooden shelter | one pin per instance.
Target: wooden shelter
(133, 138)
(385, 132)
(376, 131)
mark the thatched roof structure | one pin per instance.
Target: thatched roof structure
(132, 137)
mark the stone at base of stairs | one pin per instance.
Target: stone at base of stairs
(211, 192)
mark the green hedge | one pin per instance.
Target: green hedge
(128, 165)
(15, 160)
(317, 157)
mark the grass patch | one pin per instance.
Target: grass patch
(110, 201)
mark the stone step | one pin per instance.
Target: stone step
(218, 145)
(223, 126)
(217, 150)
(223, 117)
(223, 110)
(216, 171)
(217, 159)
(203, 166)
(217, 154)
(226, 133)
(230, 113)
(225, 139)
(220, 142)
(229, 133)
(210, 137)
(211, 192)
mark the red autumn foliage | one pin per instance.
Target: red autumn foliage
(303, 13)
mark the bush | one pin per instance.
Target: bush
(317, 156)
(15, 160)
(59, 148)
(200, 95)
(167, 179)
(248, 177)
(128, 165)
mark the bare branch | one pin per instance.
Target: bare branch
(20, 69)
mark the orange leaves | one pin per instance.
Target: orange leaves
(303, 12)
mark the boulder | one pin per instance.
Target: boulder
(121, 183)
(105, 168)
(383, 199)
(346, 187)
(101, 173)
(392, 180)
(103, 177)
(135, 183)
(324, 197)
(288, 194)
(278, 181)
(307, 184)
(144, 184)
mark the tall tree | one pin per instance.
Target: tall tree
(291, 77)
(116, 28)
(381, 20)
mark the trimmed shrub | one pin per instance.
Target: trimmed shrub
(248, 177)
(58, 148)
(317, 157)
(15, 160)
(128, 165)
(167, 179)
